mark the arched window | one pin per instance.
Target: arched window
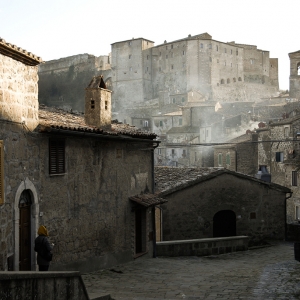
(228, 80)
(298, 68)
(222, 81)
(234, 79)
(240, 79)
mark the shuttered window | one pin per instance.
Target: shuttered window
(294, 178)
(1, 173)
(56, 156)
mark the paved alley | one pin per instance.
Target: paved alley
(263, 273)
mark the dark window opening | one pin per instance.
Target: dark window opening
(252, 215)
(294, 178)
(56, 156)
(106, 104)
(92, 104)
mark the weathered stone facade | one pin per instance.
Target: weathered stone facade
(197, 196)
(295, 74)
(70, 176)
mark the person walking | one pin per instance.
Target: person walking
(44, 249)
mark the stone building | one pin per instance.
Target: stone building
(90, 183)
(295, 75)
(215, 202)
(278, 149)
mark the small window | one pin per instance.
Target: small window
(252, 215)
(220, 161)
(174, 100)
(297, 212)
(129, 56)
(184, 153)
(172, 67)
(231, 51)
(106, 104)
(234, 79)
(240, 79)
(228, 159)
(92, 104)
(228, 80)
(183, 52)
(147, 69)
(129, 43)
(160, 123)
(286, 131)
(222, 81)
(279, 156)
(147, 57)
(173, 152)
(146, 123)
(237, 52)
(294, 178)
(217, 48)
(201, 45)
(56, 156)
(119, 153)
(251, 61)
(182, 99)
(159, 69)
(171, 46)
(1, 173)
(180, 122)
(159, 151)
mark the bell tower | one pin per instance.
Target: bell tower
(98, 104)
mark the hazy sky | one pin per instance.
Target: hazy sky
(60, 28)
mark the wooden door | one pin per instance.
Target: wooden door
(25, 232)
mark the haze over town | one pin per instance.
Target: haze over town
(63, 28)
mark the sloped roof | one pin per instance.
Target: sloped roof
(171, 179)
(184, 129)
(19, 54)
(148, 200)
(52, 119)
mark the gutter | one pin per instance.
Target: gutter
(285, 220)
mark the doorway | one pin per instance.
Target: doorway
(25, 231)
(140, 231)
(224, 223)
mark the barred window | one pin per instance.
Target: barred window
(1, 173)
(56, 156)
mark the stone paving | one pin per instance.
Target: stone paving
(263, 273)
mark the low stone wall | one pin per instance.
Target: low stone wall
(202, 247)
(42, 285)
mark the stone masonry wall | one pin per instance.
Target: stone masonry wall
(190, 211)
(18, 92)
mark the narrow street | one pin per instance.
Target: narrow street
(263, 273)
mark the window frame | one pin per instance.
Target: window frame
(57, 156)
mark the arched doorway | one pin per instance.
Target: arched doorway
(224, 223)
(25, 231)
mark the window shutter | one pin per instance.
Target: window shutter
(56, 156)
(1, 173)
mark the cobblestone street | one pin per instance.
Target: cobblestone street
(264, 273)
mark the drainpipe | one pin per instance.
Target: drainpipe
(285, 221)
(153, 208)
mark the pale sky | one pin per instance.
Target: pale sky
(60, 28)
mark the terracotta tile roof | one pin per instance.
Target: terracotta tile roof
(55, 118)
(148, 200)
(171, 179)
(19, 54)
(167, 178)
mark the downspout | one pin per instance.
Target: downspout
(153, 207)
(285, 220)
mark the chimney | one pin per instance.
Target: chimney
(98, 104)
(263, 174)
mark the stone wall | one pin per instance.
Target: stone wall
(62, 82)
(18, 92)
(190, 212)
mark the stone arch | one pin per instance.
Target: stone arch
(25, 185)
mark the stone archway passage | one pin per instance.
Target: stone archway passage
(25, 231)
(224, 223)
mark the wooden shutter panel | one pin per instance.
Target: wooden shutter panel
(56, 156)
(1, 173)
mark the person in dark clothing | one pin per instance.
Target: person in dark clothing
(44, 249)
